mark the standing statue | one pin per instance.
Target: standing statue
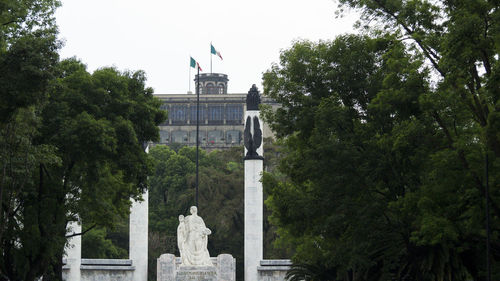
(192, 240)
(181, 236)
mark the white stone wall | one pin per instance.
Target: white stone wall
(100, 270)
(107, 275)
(273, 270)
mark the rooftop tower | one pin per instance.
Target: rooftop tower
(212, 83)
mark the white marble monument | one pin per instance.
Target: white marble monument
(194, 262)
(192, 240)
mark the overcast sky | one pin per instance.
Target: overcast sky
(160, 36)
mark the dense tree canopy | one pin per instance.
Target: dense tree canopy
(382, 163)
(78, 154)
(28, 52)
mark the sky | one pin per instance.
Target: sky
(159, 36)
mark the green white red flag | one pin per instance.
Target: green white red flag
(213, 51)
(193, 63)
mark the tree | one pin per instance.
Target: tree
(459, 41)
(97, 245)
(28, 53)
(28, 58)
(93, 127)
(28, 62)
(382, 194)
(21, 159)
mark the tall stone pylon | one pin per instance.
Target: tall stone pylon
(138, 235)
(254, 166)
(73, 252)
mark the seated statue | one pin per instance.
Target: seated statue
(192, 240)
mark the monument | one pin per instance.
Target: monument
(254, 166)
(192, 240)
(192, 233)
(194, 262)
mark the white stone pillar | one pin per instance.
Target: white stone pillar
(73, 252)
(138, 245)
(253, 208)
(138, 235)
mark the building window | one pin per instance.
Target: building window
(178, 114)
(180, 137)
(221, 89)
(234, 114)
(233, 137)
(215, 137)
(164, 136)
(202, 137)
(164, 106)
(216, 114)
(203, 114)
(211, 89)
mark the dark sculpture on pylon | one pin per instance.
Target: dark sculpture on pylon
(252, 141)
(253, 98)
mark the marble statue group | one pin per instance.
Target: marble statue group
(192, 240)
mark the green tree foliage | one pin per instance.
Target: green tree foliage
(460, 43)
(91, 129)
(28, 61)
(107, 243)
(21, 160)
(381, 169)
(28, 53)
(96, 245)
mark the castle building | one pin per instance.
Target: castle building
(221, 115)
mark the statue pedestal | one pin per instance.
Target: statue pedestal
(196, 273)
(169, 268)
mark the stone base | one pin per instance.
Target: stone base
(99, 269)
(273, 270)
(169, 268)
(196, 273)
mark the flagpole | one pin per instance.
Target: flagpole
(189, 79)
(210, 57)
(197, 128)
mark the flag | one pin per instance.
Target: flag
(194, 63)
(214, 51)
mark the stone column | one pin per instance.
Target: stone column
(138, 247)
(73, 252)
(254, 166)
(138, 235)
(226, 268)
(165, 268)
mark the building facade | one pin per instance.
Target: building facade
(221, 115)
